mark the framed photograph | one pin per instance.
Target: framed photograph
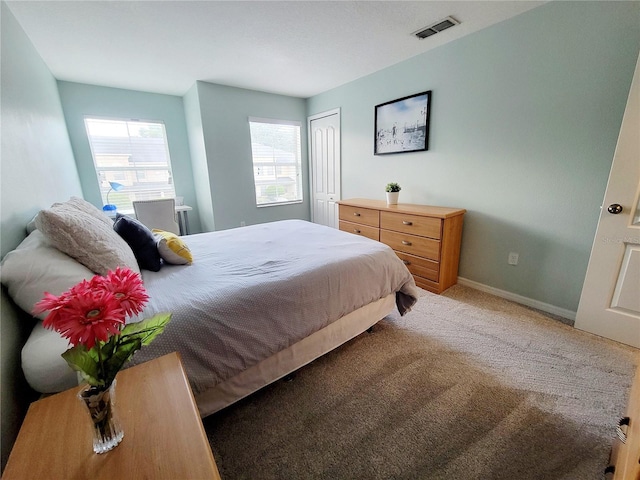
(402, 125)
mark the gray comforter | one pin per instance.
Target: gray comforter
(256, 290)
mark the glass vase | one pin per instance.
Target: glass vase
(106, 427)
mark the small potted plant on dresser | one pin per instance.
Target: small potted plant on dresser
(393, 191)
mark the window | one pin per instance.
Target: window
(131, 153)
(277, 162)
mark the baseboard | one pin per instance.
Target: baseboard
(514, 297)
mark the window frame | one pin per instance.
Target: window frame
(104, 191)
(298, 161)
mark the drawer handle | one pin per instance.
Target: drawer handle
(406, 262)
(622, 434)
(356, 230)
(404, 242)
(405, 222)
(356, 214)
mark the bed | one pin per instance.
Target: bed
(257, 303)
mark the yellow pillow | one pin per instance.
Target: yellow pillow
(171, 248)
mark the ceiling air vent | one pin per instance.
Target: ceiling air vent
(436, 27)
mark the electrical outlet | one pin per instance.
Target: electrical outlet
(513, 258)
(242, 223)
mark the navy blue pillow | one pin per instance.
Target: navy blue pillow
(141, 241)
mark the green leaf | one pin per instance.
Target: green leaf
(115, 363)
(80, 360)
(108, 348)
(133, 337)
(146, 330)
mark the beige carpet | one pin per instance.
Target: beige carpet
(466, 386)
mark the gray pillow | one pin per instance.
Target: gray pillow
(86, 207)
(86, 238)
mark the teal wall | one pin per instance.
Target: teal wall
(201, 178)
(80, 100)
(524, 123)
(224, 116)
(38, 169)
(525, 119)
(209, 144)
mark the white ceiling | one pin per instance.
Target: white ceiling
(298, 48)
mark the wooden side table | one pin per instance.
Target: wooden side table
(163, 434)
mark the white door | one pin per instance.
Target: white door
(324, 160)
(610, 301)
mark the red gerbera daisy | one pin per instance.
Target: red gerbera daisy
(49, 302)
(55, 304)
(127, 288)
(87, 317)
(52, 303)
(92, 315)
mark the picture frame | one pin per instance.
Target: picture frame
(402, 125)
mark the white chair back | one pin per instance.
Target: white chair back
(159, 214)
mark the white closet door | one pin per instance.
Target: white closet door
(324, 159)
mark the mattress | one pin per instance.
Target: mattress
(250, 293)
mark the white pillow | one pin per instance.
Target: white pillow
(42, 362)
(31, 226)
(172, 248)
(86, 238)
(35, 267)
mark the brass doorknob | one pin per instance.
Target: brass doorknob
(614, 208)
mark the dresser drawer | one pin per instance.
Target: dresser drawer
(364, 216)
(364, 230)
(412, 244)
(420, 266)
(412, 224)
(433, 287)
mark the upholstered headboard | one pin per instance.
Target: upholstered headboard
(15, 392)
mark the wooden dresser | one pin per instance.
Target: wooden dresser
(426, 238)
